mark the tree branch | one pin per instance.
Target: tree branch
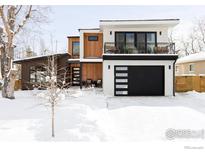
(18, 10)
(4, 19)
(28, 15)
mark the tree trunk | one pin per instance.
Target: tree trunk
(8, 74)
(53, 120)
(7, 70)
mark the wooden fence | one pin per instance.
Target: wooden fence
(189, 83)
(183, 83)
(17, 85)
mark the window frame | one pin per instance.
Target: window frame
(93, 36)
(36, 71)
(73, 48)
(191, 66)
(135, 37)
(177, 68)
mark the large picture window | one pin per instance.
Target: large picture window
(135, 42)
(38, 74)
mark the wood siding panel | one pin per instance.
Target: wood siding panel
(189, 83)
(93, 48)
(92, 71)
(70, 45)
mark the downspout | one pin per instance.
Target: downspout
(174, 85)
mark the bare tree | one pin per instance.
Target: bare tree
(13, 20)
(43, 49)
(192, 43)
(56, 81)
(201, 29)
(171, 37)
(185, 46)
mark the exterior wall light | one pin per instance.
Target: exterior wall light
(160, 33)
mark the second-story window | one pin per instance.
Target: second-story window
(135, 42)
(75, 48)
(92, 38)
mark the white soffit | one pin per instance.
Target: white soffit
(139, 23)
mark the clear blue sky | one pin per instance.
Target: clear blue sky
(66, 20)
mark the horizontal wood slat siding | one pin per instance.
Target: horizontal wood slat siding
(91, 71)
(189, 83)
(93, 48)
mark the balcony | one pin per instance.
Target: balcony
(149, 48)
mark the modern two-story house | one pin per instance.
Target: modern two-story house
(131, 57)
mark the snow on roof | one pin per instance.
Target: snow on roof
(200, 56)
(39, 56)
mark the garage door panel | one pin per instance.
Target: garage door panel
(146, 80)
(141, 81)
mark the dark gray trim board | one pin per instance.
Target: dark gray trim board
(140, 57)
(81, 84)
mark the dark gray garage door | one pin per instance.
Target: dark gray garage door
(139, 80)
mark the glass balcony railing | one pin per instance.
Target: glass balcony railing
(149, 48)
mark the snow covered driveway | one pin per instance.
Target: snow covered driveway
(88, 115)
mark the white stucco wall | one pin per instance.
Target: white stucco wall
(108, 74)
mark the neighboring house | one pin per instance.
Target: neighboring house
(131, 57)
(193, 65)
(33, 70)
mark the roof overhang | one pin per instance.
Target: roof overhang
(91, 60)
(196, 57)
(139, 23)
(40, 57)
(73, 36)
(73, 61)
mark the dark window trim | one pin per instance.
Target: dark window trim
(135, 37)
(90, 36)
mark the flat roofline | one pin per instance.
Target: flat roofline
(88, 29)
(121, 20)
(39, 57)
(73, 36)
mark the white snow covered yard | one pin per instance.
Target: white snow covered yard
(88, 115)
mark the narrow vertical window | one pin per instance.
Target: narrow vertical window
(75, 48)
